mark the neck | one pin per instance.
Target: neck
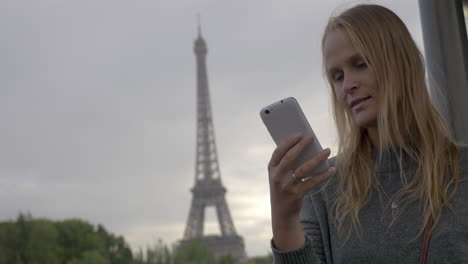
(373, 134)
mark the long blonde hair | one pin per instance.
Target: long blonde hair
(406, 119)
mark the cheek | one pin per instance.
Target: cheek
(373, 84)
(339, 94)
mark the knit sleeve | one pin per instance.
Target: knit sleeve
(314, 250)
(298, 256)
(314, 219)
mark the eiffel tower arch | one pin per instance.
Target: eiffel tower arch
(209, 190)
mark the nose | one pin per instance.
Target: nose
(350, 83)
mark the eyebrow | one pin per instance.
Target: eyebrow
(352, 58)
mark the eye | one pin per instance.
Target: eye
(361, 65)
(337, 77)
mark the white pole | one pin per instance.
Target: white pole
(446, 52)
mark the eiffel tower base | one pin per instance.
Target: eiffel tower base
(222, 246)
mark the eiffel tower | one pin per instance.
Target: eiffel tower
(208, 189)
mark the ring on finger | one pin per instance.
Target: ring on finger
(295, 179)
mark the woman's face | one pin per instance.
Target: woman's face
(354, 82)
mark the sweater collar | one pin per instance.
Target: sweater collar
(393, 159)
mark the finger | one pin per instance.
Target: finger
(293, 153)
(304, 171)
(313, 181)
(283, 147)
(294, 179)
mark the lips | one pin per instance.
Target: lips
(358, 100)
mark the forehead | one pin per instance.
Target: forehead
(337, 49)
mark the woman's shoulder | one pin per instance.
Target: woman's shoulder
(463, 155)
(463, 162)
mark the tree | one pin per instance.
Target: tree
(42, 244)
(159, 254)
(261, 260)
(90, 257)
(75, 239)
(228, 259)
(37, 241)
(9, 243)
(194, 253)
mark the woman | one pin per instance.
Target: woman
(398, 186)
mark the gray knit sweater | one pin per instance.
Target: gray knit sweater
(381, 242)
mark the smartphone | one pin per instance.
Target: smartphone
(285, 118)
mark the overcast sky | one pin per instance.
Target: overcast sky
(97, 106)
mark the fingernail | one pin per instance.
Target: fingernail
(326, 151)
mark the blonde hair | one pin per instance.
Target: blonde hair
(406, 119)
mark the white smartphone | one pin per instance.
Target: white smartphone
(285, 118)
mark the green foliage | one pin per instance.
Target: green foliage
(261, 260)
(226, 260)
(14, 238)
(159, 254)
(194, 253)
(90, 257)
(40, 241)
(42, 246)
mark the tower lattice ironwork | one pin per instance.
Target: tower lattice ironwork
(209, 190)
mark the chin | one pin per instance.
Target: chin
(365, 120)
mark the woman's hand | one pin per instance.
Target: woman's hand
(287, 189)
